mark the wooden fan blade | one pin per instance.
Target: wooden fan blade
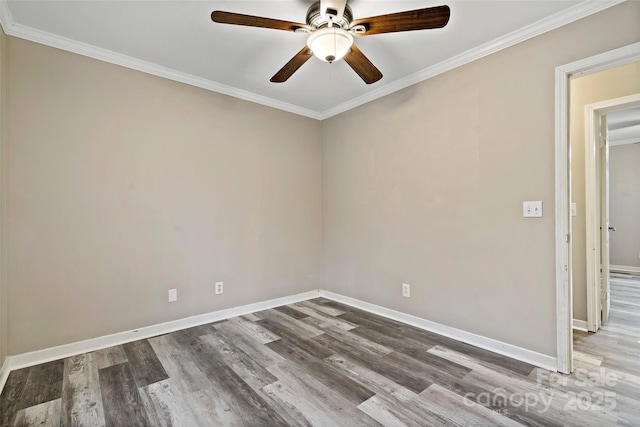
(420, 19)
(362, 66)
(254, 21)
(292, 66)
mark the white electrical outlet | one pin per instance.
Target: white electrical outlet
(406, 290)
(219, 288)
(173, 295)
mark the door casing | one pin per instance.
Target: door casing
(564, 304)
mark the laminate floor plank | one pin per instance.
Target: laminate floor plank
(144, 363)
(248, 369)
(323, 363)
(488, 357)
(43, 384)
(81, 395)
(262, 354)
(624, 398)
(377, 409)
(178, 364)
(110, 356)
(371, 321)
(586, 357)
(302, 329)
(322, 372)
(453, 407)
(252, 317)
(325, 319)
(209, 405)
(121, 399)
(294, 410)
(321, 300)
(255, 330)
(45, 414)
(30, 387)
(401, 395)
(413, 380)
(559, 403)
(10, 399)
(305, 344)
(386, 410)
(391, 339)
(291, 312)
(206, 398)
(319, 402)
(167, 407)
(413, 347)
(379, 384)
(514, 384)
(320, 308)
(241, 398)
(349, 337)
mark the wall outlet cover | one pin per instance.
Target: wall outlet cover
(219, 288)
(532, 209)
(406, 290)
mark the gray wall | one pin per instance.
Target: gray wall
(425, 186)
(624, 204)
(122, 185)
(610, 84)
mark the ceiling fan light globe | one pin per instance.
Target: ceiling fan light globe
(330, 44)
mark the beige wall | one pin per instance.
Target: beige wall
(586, 90)
(122, 185)
(3, 130)
(624, 204)
(426, 185)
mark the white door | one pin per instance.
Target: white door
(604, 220)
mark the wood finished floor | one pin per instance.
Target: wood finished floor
(322, 363)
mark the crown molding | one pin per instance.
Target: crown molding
(32, 34)
(579, 11)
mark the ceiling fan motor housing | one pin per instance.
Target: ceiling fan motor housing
(316, 19)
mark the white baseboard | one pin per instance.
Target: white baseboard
(624, 269)
(4, 374)
(581, 325)
(509, 350)
(54, 353)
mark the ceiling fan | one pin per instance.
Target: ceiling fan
(331, 28)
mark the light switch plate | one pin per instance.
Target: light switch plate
(574, 209)
(532, 209)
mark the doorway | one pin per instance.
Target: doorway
(597, 206)
(563, 219)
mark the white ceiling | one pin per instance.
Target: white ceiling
(178, 40)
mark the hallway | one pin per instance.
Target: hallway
(614, 352)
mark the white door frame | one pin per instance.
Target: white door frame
(593, 113)
(564, 303)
